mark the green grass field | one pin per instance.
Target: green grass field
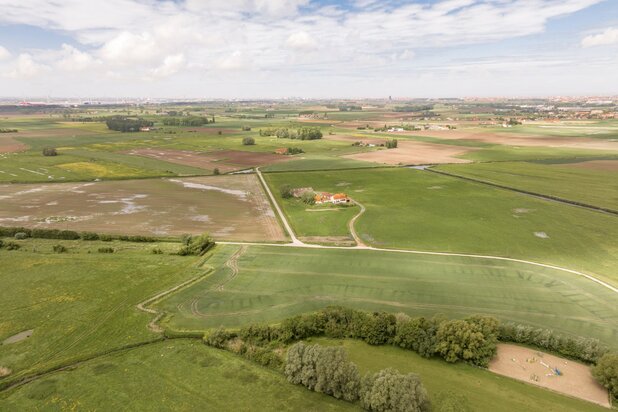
(274, 283)
(478, 389)
(564, 180)
(421, 210)
(81, 302)
(176, 375)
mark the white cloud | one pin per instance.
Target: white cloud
(301, 41)
(234, 61)
(4, 53)
(72, 59)
(126, 48)
(171, 65)
(609, 36)
(25, 67)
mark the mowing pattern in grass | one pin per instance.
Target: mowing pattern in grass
(173, 375)
(567, 181)
(474, 388)
(270, 283)
(79, 303)
(415, 209)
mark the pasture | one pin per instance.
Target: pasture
(590, 182)
(82, 302)
(266, 284)
(414, 209)
(176, 375)
(228, 207)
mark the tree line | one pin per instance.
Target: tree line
(125, 124)
(304, 133)
(192, 121)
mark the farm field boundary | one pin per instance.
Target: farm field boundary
(526, 192)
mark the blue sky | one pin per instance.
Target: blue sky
(304, 48)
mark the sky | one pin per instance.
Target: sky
(308, 48)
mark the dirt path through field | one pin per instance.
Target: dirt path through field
(357, 238)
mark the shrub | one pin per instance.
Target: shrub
(389, 390)
(218, 338)
(391, 144)
(21, 235)
(286, 191)
(248, 141)
(419, 335)
(50, 151)
(105, 238)
(258, 334)
(1, 243)
(246, 128)
(263, 356)
(294, 150)
(59, 249)
(308, 198)
(89, 236)
(12, 246)
(156, 251)
(10, 231)
(106, 250)
(196, 245)
(378, 328)
(606, 372)
(216, 171)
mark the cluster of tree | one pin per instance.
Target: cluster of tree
(391, 144)
(294, 150)
(8, 130)
(248, 141)
(585, 349)
(286, 191)
(191, 121)
(413, 108)
(50, 151)
(606, 372)
(350, 108)
(125, 124)
(304, 133)
(40, 233)
(327, 370)
(87, 119)
(196, 245)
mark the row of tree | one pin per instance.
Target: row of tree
(126, 124)
(304, 133)
(192, 121)
(41, 233)
(328, 370)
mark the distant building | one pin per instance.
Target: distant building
(325, 197)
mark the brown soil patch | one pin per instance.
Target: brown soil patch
(10, 145)
(225, 160)
(602, 165)
(410, 153)
(512, 139)
(18, 337)
(524, 364)
(232, 207)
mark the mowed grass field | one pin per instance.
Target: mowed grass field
(175, 375)
(473, 389)
(413, 209)
(590, 182)
(82, 302)
(266, 284)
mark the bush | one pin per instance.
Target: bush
(246, 128)
(258, 334)
(196, 245)
(218, 338)
(389, 390)
(286, 191)
(216, 171)
(323, 369)
(89, 236)
(391, 144)
(308, 198)
(12, 246)
(106, 250)
(156, 251)
(294, 150)
(106, 238)
(419, 335)
(59, 249)
(21, 235)
(248, 141)
(50, 151)
(606, 372)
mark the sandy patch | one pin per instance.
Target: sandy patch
(528, 365)
(18, 337)
(410, 152)
(541, 235)
(9, 145)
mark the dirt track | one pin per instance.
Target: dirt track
(523, 364)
